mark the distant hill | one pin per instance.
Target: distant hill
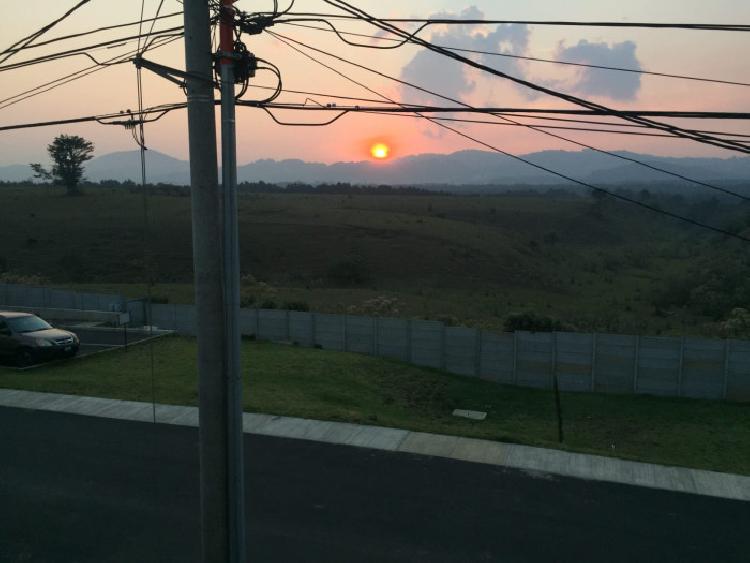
(464, 167)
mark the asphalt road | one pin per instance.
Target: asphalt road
(82, 489)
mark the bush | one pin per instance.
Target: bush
(268, 304)
(23, 279)
(297, 306)
(531, 322)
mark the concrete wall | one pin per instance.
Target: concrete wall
(30, 296)
(609, 363)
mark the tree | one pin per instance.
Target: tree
(68, 153)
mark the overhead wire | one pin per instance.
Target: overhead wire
(474, 21)
(103, 119)
(533, 164)
(85, 50)
(402, 42)
(94, 31)
(677, 131)
(77, 75)
(467, 107)
(29, 39)
(409, 111)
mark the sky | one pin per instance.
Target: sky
(720, 55)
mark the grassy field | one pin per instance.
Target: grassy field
(327, 385)
(470, 260)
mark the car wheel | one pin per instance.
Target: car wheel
(24, 358)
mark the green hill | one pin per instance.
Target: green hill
(593, 264)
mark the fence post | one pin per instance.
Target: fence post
(344, 344)
(553, 374)
(636, 361)
(515, 358)
(478, 353)
(408, 340)
(288, 326)
(682, 360)
(313, 329)
(257, 324)
(376, 336)
(443, 361)
(593, 362)
(727, 354)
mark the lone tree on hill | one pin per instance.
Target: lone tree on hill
(68, 152)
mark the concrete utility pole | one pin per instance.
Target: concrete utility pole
(215, 258)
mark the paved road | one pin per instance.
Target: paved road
(74, 488)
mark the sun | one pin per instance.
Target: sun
(380, 151)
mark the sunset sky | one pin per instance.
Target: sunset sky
(720, 55)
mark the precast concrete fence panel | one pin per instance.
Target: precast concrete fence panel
(659, 366)
(699, 368)
(497, 357)
(428, 344)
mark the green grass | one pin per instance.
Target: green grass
(327, 385)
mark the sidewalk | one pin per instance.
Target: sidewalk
(583, 466)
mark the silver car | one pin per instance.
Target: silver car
(26, 339)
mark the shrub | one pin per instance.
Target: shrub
(23, 279)
(531, 322)
(268, 304)
(297, 306)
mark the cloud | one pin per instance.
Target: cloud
(440, 74)
(597, 82)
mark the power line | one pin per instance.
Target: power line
(411, 111)
(526, 161)
(150, 31)
(94, 31)
(309, 94)
(469, 108)
(101, 118)
(680, 132)
(401, 110)
(300, 16)
(26, 41)
(401, 42)
(77, 75)
(84, 51)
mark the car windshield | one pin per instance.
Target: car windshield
(27, 324)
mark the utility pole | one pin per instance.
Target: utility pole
(215, 259)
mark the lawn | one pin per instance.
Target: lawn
(326, 385)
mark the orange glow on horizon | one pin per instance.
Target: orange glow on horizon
(380, 151)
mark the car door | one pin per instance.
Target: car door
(7, 344)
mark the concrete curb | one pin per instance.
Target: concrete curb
(582, 466)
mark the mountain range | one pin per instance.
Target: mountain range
(464, 167)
